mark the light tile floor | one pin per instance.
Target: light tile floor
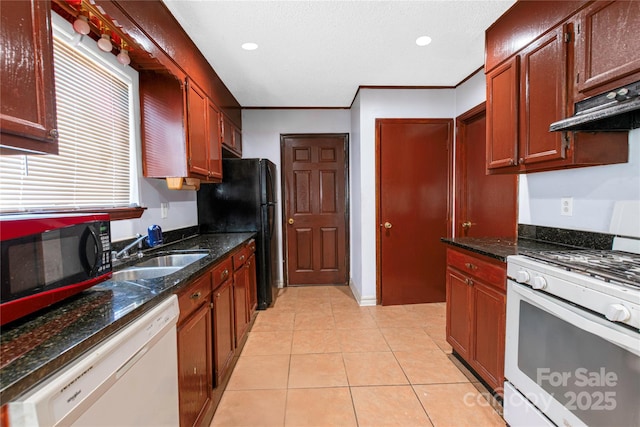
(318, 359)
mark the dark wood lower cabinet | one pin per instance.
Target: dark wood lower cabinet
(224, 337)
(215, 315)
(476, 313)
(240, 287)
(194, 367)
(458, 316)
(253, 285)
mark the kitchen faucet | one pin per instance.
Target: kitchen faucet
(154, 238)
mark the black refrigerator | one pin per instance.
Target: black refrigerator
(245, 201)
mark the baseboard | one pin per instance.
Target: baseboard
(362, 301)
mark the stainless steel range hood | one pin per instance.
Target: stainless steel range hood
(618, 110)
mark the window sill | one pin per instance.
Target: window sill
(115, 214)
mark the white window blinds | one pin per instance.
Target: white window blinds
(92, 168)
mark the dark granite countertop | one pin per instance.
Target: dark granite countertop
(500, 248)
(33, 348)
(532, 238)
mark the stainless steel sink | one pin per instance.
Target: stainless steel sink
(172, 260)
(139, 273)
(158, 266)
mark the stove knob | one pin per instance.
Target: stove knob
(523, 276)
(617, 313)
(539, 282)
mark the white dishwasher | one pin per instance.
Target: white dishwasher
(131, 379)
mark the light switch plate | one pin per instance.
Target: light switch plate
(566, 206)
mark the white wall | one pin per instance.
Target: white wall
(471, 93)
(261, 131)
(594, 191)
(182, 212)
(355, 198)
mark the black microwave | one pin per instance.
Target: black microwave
(47, 258)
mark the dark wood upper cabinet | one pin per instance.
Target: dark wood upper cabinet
(180, 129)
(231, 137)
(502, 115)
(544, 100)
(28, 107)
(214, 152)
(535, 86)
(197, 122)
(607, 47)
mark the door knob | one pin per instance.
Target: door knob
(387, 225)
(466, 224)
(291, 221)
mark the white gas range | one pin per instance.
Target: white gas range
(573, 337)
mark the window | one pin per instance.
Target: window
(96, 166)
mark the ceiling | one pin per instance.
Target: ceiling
(317, 53)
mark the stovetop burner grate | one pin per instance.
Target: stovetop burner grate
(610, 266)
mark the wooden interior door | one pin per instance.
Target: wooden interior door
(314, 176)
(413, 187)
(485, 204)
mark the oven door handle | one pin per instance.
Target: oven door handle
(580, 318)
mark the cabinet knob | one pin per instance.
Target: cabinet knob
(469, 282)
(196, 295)
(521, 161)
(471, 266)
(387, 225)
(467, 224)
(224, 274)
(291, 221)
(53, 133)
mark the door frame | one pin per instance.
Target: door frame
(379, 122)
(283, 197)
(457, 166)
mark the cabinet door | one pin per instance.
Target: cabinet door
(229, 137)
(240, 285)
(489, 307)
(223, 328)
(237, 140)
(502, 115)
(194, 366)
(608, 42)
(544, 98)
(458, 309)
(252, 287)
(215, 148)
(28, 107)
(197, 106)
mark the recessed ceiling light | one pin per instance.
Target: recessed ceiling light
(423, 40)
(249, 46)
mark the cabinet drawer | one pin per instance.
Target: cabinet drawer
(491, 272)
(251, 246)
(240, 257)
(194, 296)
(222, 272)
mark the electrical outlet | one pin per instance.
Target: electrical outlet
(566, 206)
(164, 208)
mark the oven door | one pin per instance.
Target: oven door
(575, 367)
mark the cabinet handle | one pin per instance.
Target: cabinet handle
(196, 295)
(470, 266)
